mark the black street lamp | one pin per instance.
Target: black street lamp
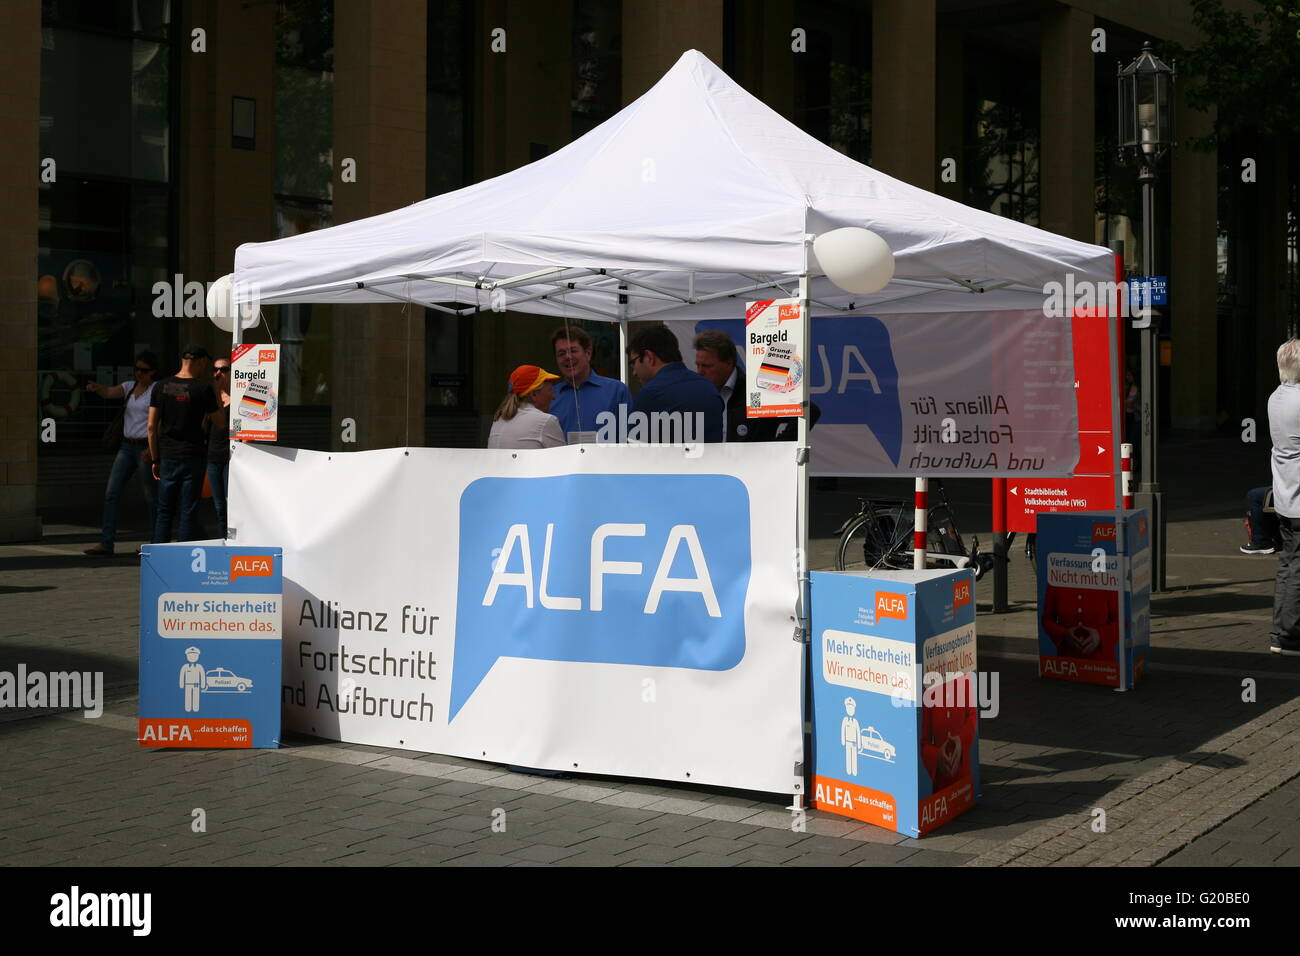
(1146, 131)
(1146, 108)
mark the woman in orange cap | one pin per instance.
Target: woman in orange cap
(522, 420)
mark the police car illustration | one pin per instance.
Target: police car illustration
(224, 681)
(873, 745)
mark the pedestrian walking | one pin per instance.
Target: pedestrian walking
(131, 454)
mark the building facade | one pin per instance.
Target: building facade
(149, 138)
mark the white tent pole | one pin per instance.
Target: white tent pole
(622, 344)
(236, 335)
(801, 492)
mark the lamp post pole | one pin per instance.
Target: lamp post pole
(1146, 130)
(1148, 494)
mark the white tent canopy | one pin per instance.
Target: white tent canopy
(693, 197)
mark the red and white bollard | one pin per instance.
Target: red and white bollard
(921, 508)
(1126, 473)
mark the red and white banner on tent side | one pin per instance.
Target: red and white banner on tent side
(935, 394)
(608, 609)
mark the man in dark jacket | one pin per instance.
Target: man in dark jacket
(717, 359)
(668, 387)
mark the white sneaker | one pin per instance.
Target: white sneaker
(1247, 549)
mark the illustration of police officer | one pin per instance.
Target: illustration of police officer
(850, 735)
(193, 680)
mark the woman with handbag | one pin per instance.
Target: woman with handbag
(219, 442)
(129, 436)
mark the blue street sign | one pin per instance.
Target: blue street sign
(1152, 289)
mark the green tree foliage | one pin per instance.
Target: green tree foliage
(1248, 66)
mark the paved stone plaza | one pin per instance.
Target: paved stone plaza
(1187, 772)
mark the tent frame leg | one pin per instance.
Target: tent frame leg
(803, 631)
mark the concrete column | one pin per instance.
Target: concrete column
(379, 122)
(902, 90)
(1066, 160)
(1193, 218)
(20, 115)
(655, 35)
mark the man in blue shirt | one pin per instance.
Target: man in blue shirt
(582, 394)
(668, 386)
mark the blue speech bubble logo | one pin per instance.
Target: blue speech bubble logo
(852, 374)
(649, 570)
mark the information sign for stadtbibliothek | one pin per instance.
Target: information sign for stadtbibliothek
(1092, 486)
(255, 392)
(210, 655)
(775, 377)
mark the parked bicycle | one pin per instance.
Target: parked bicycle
(880, 536)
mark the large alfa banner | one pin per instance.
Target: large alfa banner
(962, 393)
(606, 609)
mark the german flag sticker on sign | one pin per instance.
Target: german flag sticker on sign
(772, 373)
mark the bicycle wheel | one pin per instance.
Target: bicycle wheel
(868, 544)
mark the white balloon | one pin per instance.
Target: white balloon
(221, 305)
(855, 259)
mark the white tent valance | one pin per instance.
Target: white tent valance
(692, 197)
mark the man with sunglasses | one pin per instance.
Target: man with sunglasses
(668, 386)
(132, 451)
(178, 444)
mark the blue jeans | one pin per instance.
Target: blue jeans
(181, 479)
(125, 465)
(218, 478)
(1263, 524)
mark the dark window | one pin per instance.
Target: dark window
(1002, 134)
(304, 157)
(449, 339)
(449, 96)
(304, 99)
(104, 104)
(107, 218)
(597, 81)
(832, 99)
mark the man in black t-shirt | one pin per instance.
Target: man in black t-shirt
(177, 442)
